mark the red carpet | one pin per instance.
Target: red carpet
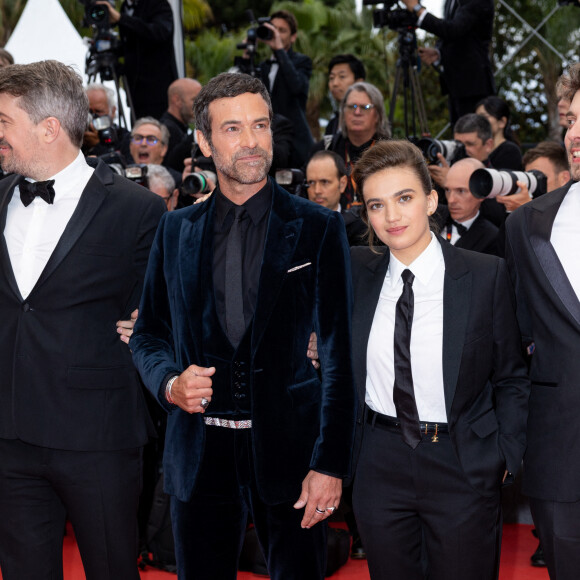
(518, 546)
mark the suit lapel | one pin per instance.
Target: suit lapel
(195, 264)
(282, 237)
(4, 255)
(540, 220)
(367, 289)
(456, 305)
(91, 199)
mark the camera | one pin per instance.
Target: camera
(451, 150)
(292, 180)
(105, 44)
(393, 18)
(489, 183)
(196, 183)
(257, 32)
(137, 173)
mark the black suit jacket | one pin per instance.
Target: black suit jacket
(465, 39)
(485, 381)
(150, 66)
(67, 380)
(301, 420)
(482, 236)
(549, 315)
(289, 95)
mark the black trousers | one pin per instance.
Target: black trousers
(99, 491)
(209, 529)
(417, 514)
(558, 525)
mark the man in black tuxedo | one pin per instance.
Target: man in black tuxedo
(72, 413)
(463, 224)
(542, 240)
(221, 342)
(462, 53)
(146, 28)
(287, 76)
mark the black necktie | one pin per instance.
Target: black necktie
(234, 293)
(403, 393)
(29, 190)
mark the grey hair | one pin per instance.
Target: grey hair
(161, 175)
(110, 93)
(49, 89)
(152, 121)
(376, 98)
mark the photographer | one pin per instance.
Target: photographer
(462, 53)
(146, 28)
(287, 76)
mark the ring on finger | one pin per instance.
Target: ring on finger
(204, 403)
(319, 511)
(331, 509)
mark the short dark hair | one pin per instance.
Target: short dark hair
(570, 81)
(338, 161)
(552, 151)
(49, 89)
(473, 123)
(498, 109)
(225, 86)
(288, 17)
(355, 65)
(388, 155)
(6, 56)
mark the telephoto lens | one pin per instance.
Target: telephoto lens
(489, 183)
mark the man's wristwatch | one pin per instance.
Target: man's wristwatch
(416, 8)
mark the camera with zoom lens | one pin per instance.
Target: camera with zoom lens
(451, 150)
(198, 182)
(137, 172)
(490, 183)
(393, 18)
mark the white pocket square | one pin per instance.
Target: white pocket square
(299, 267)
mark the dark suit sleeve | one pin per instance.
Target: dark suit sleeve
(157, 26)
(510, 380)
(296, 72)
(332, 450)
(152, 341)
(467, 17)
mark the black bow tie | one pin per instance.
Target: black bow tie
(461, 229)
(29, 190)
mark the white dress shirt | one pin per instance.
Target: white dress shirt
(33, 232)
(426, 337)
(565, 236)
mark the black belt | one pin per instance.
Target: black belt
(375, 418)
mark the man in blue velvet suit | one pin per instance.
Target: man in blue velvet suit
(234, 288)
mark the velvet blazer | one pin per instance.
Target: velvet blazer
(549, 315)
(300, 420)
(484, 373)
(66, 380)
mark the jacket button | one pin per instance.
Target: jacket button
(26, 307)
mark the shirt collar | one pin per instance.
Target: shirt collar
(256, 207)
(423, 267)
(468, 223)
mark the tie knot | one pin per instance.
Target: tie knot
(407, 276)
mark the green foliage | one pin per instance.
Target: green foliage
(10, 11)
(233, 15)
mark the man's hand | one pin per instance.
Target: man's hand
(91, 137)
(320, 492)
(125, 327)
(439, 172)
(410, 4)
(512, 202)
(312, 351)
(429, 55)
(274, 43)
(191, 386)
(114, 15)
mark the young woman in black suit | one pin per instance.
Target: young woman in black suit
(441, 381)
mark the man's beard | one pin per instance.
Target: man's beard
(10, 164)
(243, 173)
